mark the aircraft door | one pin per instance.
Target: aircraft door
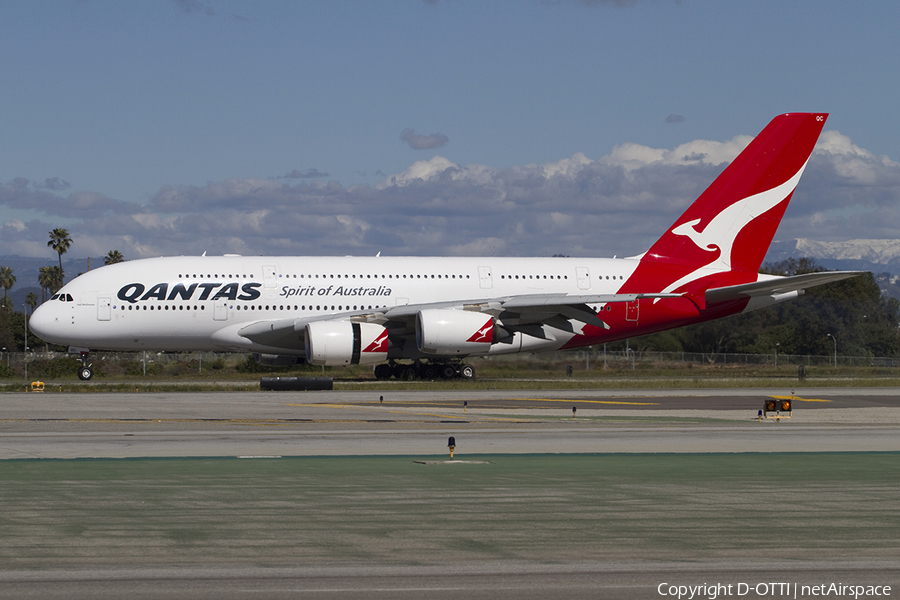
(584, 278)
(104, 309)
(269, 277)
(632, 310)
(484, 278)
(220, 310)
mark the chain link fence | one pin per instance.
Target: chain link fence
(61, 364)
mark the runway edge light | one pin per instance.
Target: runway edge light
(451, 443)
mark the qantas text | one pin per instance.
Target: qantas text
(135, 292)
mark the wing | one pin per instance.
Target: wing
(527, 313)
(286, 335)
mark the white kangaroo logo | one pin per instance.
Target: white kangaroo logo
(724, 228)
(481, 334)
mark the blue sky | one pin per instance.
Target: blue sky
(177, 127)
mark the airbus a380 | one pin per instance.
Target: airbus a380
(437, 311)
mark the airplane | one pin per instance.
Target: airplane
(438, 311)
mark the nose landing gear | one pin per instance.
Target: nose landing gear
(85, 372)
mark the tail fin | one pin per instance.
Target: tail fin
(724, 235)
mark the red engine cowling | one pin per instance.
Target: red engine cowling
(449, 332)
(336, 343)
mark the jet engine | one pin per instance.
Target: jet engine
(337, 343)
(449, 332)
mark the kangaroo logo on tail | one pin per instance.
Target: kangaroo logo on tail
(724, 235)
(721, 232)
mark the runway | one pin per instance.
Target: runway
(637, 489)
(134, 425)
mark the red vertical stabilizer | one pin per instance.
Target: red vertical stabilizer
(722, 238)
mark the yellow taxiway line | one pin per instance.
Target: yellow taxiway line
(799, 399)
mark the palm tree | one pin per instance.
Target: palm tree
(113, 257)
(31, 300)
(7, 280)
(60, 240)
(56, 279)
(46, 277)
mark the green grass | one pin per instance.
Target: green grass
(550, 508)
(502, 373)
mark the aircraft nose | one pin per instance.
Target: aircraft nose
(42, 322)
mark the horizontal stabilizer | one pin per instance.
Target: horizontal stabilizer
(775, 286)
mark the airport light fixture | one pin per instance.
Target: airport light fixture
(834, 339)
(776, 354)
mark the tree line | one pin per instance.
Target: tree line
(851, 316)
(50, 278)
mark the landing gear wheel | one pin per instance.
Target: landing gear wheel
(448, 371)
(85, 373)
(467, 372)
(408, 374)
(430, 372)
(383, 372)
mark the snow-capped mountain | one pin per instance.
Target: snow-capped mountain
(866, 255)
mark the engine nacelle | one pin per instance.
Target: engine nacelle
(337, 343)
(449, 332)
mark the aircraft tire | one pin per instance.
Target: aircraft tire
(85, 373)
(467, 372)
(430, 372)
(383, 372)
(397, 370)
(448, 371)
(408, 374)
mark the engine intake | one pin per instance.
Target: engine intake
(338, 343)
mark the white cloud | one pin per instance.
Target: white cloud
(567, 166)
(853, 163)
(422, 170)
(635, 156)
(15, 224)
(615, 204)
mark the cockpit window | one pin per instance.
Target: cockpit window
(63, 297)
(69, 298)
(54, 296)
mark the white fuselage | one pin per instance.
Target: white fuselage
(198, 303)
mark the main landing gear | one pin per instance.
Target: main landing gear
(428, 371)
(85, 372)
